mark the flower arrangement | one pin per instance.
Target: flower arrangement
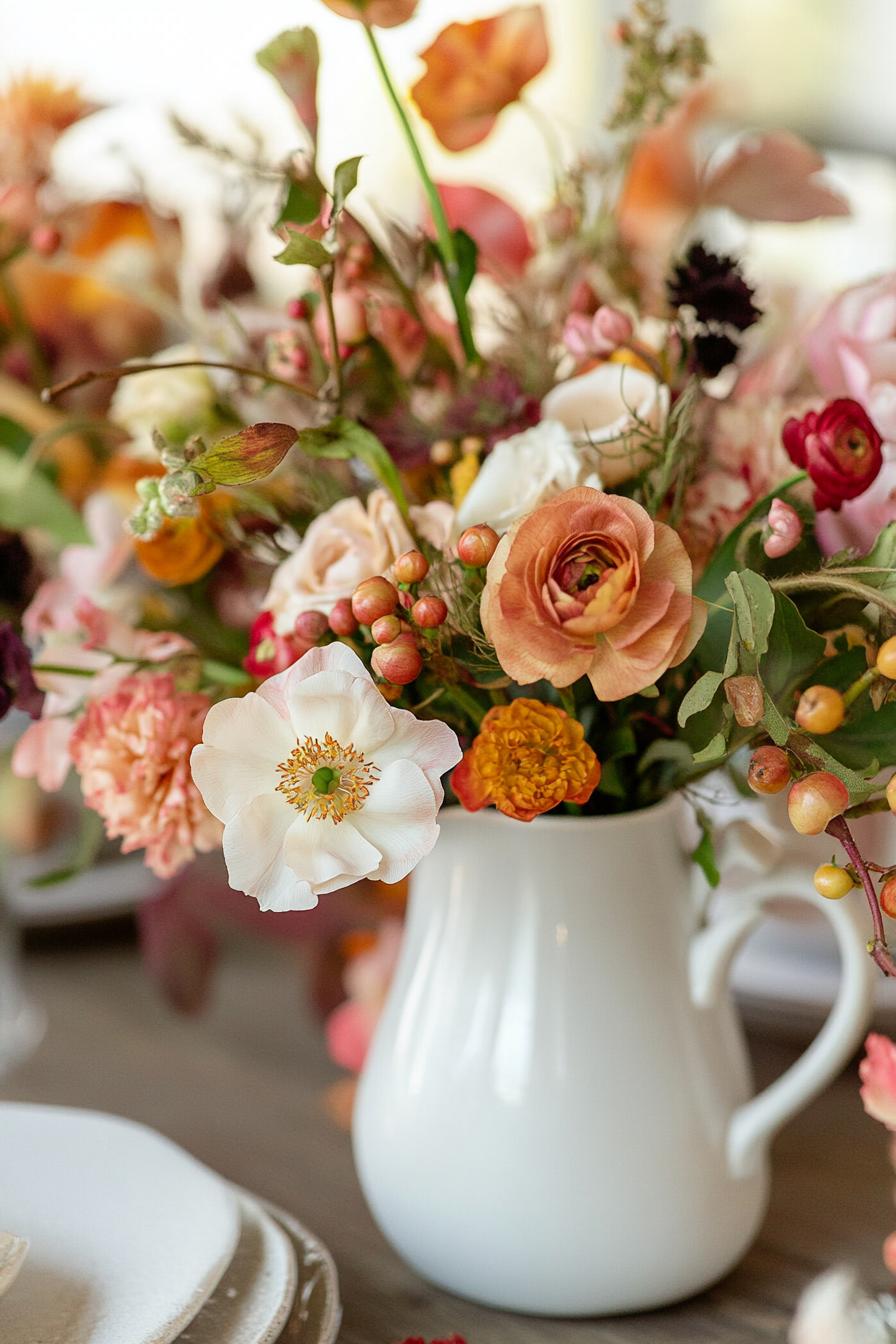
(536, 511)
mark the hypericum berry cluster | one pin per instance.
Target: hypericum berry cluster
(392, 610)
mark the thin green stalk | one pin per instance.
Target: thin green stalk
(444, 236)
(326, 284)
(832, 579)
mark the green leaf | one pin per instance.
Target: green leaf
(754, 609)
(665, 751)
(871, 737)
(30, 499)
(293, 59)
(345, 179)
(14, 436)
(701, 695)
(794, 651)
(713, 751)
(778, 727)
(712, 581)
(467, 257)
(346, 439)
(705, 853)
(301, 202)
(301, 250)
(247, 456)
(222, 674)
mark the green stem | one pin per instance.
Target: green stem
(861, 684)
(444, 236)
(465, 702)
(832, 579)
(326, 284)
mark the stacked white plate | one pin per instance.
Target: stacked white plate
(132, 1241)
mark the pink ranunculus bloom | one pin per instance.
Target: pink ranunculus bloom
(132, 751)
(878, 1074)
(350, 1027)
(852, 349)
(785, 530)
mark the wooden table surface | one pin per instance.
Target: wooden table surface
(243, 1088)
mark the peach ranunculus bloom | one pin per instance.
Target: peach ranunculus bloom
(852, 349)
(348, 543)
(475, 70)
(132, 751)
(589, 585)
(878, 1074)
(377, 13)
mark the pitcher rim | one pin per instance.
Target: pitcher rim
(607, 821)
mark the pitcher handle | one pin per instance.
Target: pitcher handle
(755, 1123)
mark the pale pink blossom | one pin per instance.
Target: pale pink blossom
(42, 752)
(852, 349)
(348, 543)
(878, 1074)
(350, 1027)
(857, 524)
(132, 751)
(785, 530)
(599, 335)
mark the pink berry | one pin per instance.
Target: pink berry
(411, 567)
(477, 545)
(45, 239)
(342, 618)
(429, 611)
(374, 598)
(816, 800)
(385, 629)
(298, 310)
(311, 626)
(398, 662)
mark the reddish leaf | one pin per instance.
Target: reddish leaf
(498, 230)
(247, 455)
(293, 59)
(773, 177)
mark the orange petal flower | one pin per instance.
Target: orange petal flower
(378, 13)
(33, 114)
(527, 758)
(184, 549)
(475, 70)
(589, 585)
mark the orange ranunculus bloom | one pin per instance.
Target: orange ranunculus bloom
(475, 70)
(590, 586)
(33, 114)
(378, 13)
(527, 758)
(184, 549)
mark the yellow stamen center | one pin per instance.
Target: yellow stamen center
(325, 780)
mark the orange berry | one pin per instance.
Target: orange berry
(342, 620)
(886, 658)
(429, 611)
(815, 801)
(820, 710)
(889, 1253)
(374, 598)
(398, 662)
(891, 793)
(832, 881)
(385, 629)
(477, 545)
(410, 567)
(887, 897)
(769, 770)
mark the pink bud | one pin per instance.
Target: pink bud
(577, 335)
(311, 626)
(610, 328)
(45, 239)
(785, 530)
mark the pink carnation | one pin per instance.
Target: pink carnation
(878, 1074)
(132, 751)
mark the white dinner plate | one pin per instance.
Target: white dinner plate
(317, 1313)
(128, 1234)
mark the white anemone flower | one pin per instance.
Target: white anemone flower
(319, 782)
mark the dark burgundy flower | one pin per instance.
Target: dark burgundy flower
(18, 573)
(713, 351)
(18, 688)
(840, 449)
(494, 407)
(714, 287)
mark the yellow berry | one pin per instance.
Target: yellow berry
(820, 710)
(886, 658)
(832, 881)
(891, 793)
(816, 800)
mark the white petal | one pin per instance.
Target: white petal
(229, 782)
(328, 856)
(253, 850)
(429, 743)
(349, 708)
(248, 726)
(334, 657)
(399, 818)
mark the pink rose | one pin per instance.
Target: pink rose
(852, 349)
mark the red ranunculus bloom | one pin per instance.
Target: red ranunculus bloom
(839, 448)
(269, 652)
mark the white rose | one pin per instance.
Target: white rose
(601, 408)
(176, 402)
(522, 472)
(348, 543)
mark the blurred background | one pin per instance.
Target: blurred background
(823, 68)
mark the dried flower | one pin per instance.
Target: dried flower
(132, 751)
(527, 758)
(475, 70)
(589, 585)
(840, 449)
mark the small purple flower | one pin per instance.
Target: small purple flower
(18, 688)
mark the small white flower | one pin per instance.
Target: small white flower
(176, 402)
(522, 472)
(834, 1310)
(319, 782)
(602, 408)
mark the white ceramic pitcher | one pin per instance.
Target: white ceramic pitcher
(555, 1114)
